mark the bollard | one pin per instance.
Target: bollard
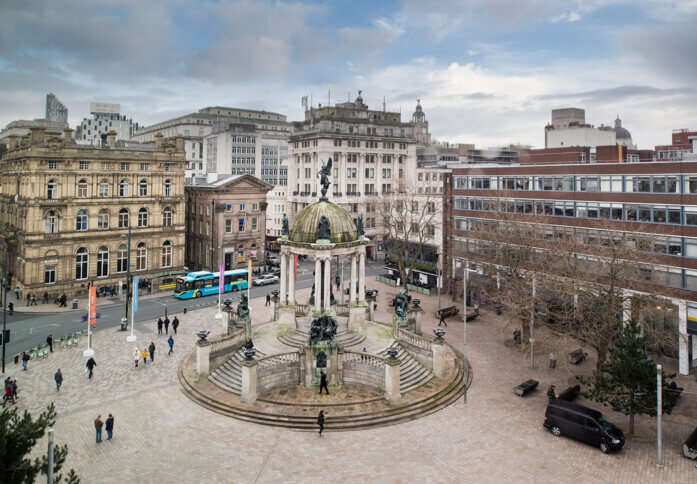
(184, 310)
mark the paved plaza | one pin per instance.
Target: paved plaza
(162, 436)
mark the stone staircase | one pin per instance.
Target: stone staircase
(228, 376)
(412, 373)
(297, 339)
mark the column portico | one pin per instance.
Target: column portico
(318, 283)
(284, 278)
(327, 284)
(291, 279)
(353, 278)
(361, 278)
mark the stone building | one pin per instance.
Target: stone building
(226, 222)
(66, 210)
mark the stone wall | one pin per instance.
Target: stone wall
(418, 346)
(278, 371)
(363, 369)
(224, 346)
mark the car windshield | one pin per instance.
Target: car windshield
(605, 423)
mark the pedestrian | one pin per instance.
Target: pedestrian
(144, 354)
(63, 301)
(151, 349)
(159, 325)
(17, 292)
(49, 342)
(28, 298)
(170, 342)
(136, 356)
(33, 299)
(8, 395)
(13, 387)
(11, 308)
(98, 424)
(337, 280)
(45, 297)
(90, 365)
(166, 325)
(323, 383)
(442, 321)
(175, 324)
(320, 422)
(551, 393)
(25, 359)
(59, 379)
(109, 427)
(268, 299)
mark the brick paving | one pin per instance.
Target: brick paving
(162, 436)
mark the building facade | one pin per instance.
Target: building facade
(105, 117)
(55, 110)
(683, 145)
(569, 128)
(67, 210)
(226, 222)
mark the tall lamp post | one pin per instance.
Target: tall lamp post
(465, 271)
(132, 337)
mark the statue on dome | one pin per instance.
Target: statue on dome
(324, 174)
(284, 229)
(323, 228)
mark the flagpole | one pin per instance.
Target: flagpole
(134, 308)
(249, 279)
(91, 313)
(221, 288)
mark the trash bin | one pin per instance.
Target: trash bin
(16, 359)
(124, 324)
(75, 303)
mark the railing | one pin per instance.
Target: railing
(277, 371)
(224, 342)
(281, 359)
(414, 340)
(342, 310)
(355, 357)
(386, 280)
(364, 369)
(302, 309)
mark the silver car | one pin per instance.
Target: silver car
(266, 279)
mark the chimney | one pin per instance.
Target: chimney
(68, 136)
(12, 142)
(111, 139)
(158, 141)
(36, 136)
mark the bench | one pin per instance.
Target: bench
(526, 387)
(576, 357)
(570, 393)
(447, 312)
(689, 447)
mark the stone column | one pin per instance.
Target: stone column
(361, 278)
(626, 307)
(203, 353)
(309, 373)
(318, 284)
(334, 363)
(249, 381)
(392, 391)
(291, 279)
(684, 355)
(327, 284)
(284, 279)
(438, 348)
(694, 349)
(353, 279)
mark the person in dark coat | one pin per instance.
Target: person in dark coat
(166, 325)
(170, 342)
(25, 359)
(59, 379)
(98, 424)
(268, 299)
(90, 365)
(320, 422)
(551, 392)
(442, 321)
(151, 349)
(109, 425)
(159, 325)
(175, 324)
(49, 342)
(323, 383)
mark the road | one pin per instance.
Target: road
(31, 329)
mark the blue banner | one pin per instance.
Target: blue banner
(134, 305)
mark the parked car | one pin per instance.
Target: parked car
(584, 424)
(273, 261)
(265, 279)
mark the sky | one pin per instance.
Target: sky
(487, 71)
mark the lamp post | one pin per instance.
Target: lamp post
(132, 337)
(5, 282)
(659, 415)
(49, 471)
(465, 271)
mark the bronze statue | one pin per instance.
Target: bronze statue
(243, 308)
(323, 228)
(284, 230)
(323, 328)
(359, 225)
(323, 175)
(400, 305)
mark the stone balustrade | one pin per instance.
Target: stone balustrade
(278, 371)
(419, 347)
(222, 347)
(364, 369)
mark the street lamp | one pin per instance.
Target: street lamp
(5, 283)
(132, 337)
(465, 270)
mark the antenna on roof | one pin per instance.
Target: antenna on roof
(384, 106)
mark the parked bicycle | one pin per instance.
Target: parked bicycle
(33, 352)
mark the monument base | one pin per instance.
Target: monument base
(286, 315)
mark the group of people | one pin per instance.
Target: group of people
(10, 391)
(165, 323)
(150, 351)
(108, 425)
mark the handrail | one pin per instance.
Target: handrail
(282, 358)
(365, 358)
(414, 339)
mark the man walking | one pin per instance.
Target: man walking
(98, 427)
(109, 426)
(59, 379)
(170, 342)
(175, 324)
(17, 291)
(25, 359)
(166, 325)
(49, 342)
(323, 383)
(320, 422)
(159, 326)
(151, 348)
(268, 299)
(90, 365)
(442, 321)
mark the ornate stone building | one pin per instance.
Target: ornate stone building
(226, 222)
(66, 211)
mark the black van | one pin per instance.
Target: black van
(584, 424)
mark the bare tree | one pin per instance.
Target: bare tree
(409, 218)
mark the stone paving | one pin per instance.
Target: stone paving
(161, 436)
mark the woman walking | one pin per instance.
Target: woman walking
(136, 355)
(320, 422)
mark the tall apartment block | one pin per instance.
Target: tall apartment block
(55, 110)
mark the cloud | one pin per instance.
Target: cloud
(619, 93)
(476, 96)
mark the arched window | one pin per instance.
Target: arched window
(82, 189)
(52, 222)
(82, 263)
(103, 262)
(143, 188)
(52, 189)
(143, 217)
(124, 188)
(122, 259)
(103, 219)
(167, 188)
(167, 217)
(123, 218)
(141, 257)
(167, 254)
(81, 220)
(104, 188)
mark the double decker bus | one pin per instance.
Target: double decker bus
(204, 283)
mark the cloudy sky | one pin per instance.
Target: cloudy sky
(487, 71)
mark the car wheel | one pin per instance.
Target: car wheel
(556, 430)
(604, 448)
(198, 294)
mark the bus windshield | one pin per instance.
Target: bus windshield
(182, 285)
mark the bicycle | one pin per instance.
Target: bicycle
(71, 341)
(62, 342)
(41, 352)
(45, 351)
(33, 352)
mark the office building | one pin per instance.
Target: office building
(569, 128)
(105, 117)
(56, 111)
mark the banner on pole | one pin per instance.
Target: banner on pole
(93, 305)
(134, 304)
(221, 281)
(249, 270)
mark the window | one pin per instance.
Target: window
(124, 188)
(123, 218)
(255, 224)
(144, 167)
(167, 217)
(167, 192)
(50, 275)
(167, 254)
(52, 165)
(103, 262)
(141, 257)
(104, 188)
(240, 225)
(143, 217)
(52, 189)
(125, 166)
(143, 188)
(169, 166)
(82, 261)
(255, 206)
(351, 173)
(52, 222)
(81, 220)
(84, 165)
(386, 173)
(122, 259)
(103, 219)
(228, 226)
(82, 189)
(105, 165)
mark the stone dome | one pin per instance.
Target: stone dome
(620, 132)
(341, 225)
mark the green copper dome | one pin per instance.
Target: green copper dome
(340, 224)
